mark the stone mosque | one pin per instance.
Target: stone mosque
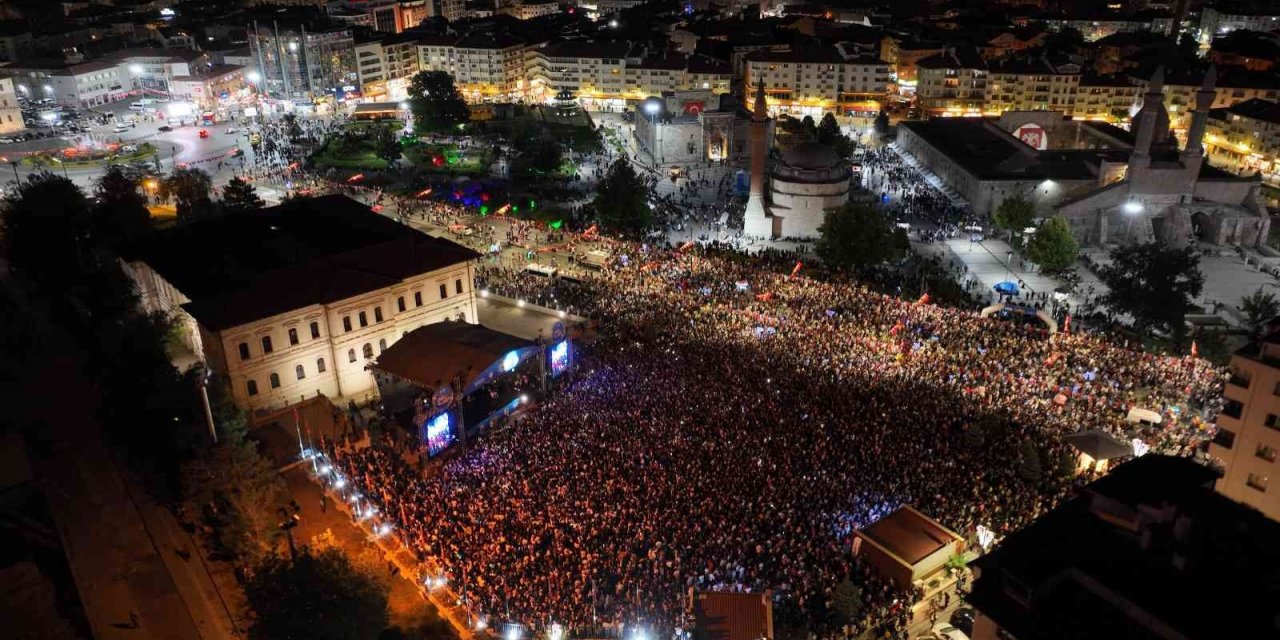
(806, 181)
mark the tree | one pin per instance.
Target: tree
(1153, 284)
(1029, 469)
(236, 490)
(828, 129)
(1053, 246)
(47, 224)
(239, 195)
(122, 208)
(621, 201)
(317, 595)
(189, 189)
(810, 127)
(858, 237)
(1258, 308)
(436, 103)
(291, 127)
(546, 158)
(386, 145)
(1015, 213)
(846, 602)
(881, 126)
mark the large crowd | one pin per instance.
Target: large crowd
(731, 427)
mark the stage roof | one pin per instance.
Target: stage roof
(430, 355)
(733, 616)
(1099, 445)
(909, 534)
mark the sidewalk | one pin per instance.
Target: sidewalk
(408, 607)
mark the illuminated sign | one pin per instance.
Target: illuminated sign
(510, 361)
(437, 433)
(559, 358)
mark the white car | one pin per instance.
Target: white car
(944, 631)
(231, 130)
(120, 128)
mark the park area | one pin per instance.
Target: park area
(74, 157)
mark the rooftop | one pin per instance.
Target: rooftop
(733, 616)
(432, 354)
(1255, 108)
(1141, 553)
(909, 534)
(238, 268)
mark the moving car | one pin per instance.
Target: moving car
(120, 128)
(204, 133)
(166, 128)
(231, 130)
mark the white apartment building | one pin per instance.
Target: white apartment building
(152, 70)
(530, 9)
(302, 310)
(1247, 443)
(1222, 18)
(10, 114)
(1018, 84)
(595, 72)
(953, 83)
(83, 84)
(1245, 139)
(484, 67)
(386, 65)
(817, 81)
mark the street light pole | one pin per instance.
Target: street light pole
(204, 399)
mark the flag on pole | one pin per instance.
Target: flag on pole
(795, 270)
(924, 299)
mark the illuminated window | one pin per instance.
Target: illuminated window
(1256, 481)
(252, 386)
(320, 368)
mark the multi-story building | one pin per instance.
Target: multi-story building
(379, 15)
(1247, 442)
(903, 54)
(1143, 552)
(484, 67)
(386, 65)
(1096, 28)
(814, 82)
(305, 312)
(1222, 18)
(450, 10)
(207, 85)
(151, 70)
(530, 9)
(953, 83)
(300, 62)
(595, 72)
(1233, 87)
(79, 84)
(1032, 84)
(10, 113)
(1245, 139)
(1111, 98)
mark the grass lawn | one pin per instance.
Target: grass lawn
(145, 152)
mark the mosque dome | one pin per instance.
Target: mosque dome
(811, 162)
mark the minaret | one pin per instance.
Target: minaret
(1146, 121)
(756, 222)
(1193, 155)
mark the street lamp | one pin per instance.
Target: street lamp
(255, 77)
(1133, 207)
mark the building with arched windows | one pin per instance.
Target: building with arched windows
(297, 300)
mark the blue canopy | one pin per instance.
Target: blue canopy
(1006, 288)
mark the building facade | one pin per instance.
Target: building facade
(353, 294)
(302, 65)
(953, 83)
(1031, 85)
(10, 115)
(1245, 139)
(816, 82)
(83, 84)
(1247, 442)
(1220, 20)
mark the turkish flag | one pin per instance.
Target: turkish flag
(694, 107)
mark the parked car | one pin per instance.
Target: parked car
(944, 631)
(962, 619)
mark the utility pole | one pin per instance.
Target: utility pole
(204, 399)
